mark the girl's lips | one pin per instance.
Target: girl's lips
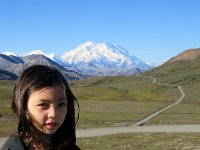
(51, 125)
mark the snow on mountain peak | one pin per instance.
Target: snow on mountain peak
(94, 51)
(89, 43)
(99, 57)
(8, 54)
(40, 52)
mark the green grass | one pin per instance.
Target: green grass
(180, 114)
(130, 88)
(116, 101)
(7, 127)
(114, 113)
(6, 88)
(8, 121)
(185, 74)
(104, 102)
(142, 141)
(113, 101)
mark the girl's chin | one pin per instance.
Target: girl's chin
(49, 132)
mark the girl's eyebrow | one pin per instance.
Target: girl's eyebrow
(62, 99)
(47, 100)
(44, 100)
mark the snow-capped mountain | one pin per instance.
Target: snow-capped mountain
(40, 52)
(95, 59)
(12, 66)
(8, 53)
(104, 59)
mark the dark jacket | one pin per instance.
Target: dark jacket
(14, 143)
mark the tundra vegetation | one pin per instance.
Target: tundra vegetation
(122, 101)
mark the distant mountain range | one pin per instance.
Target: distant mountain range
(88, 59)
(11, 66)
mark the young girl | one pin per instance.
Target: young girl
(44, 105)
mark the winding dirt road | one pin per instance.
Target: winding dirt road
(143, 121)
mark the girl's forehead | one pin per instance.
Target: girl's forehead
(53, 87)
(53, 92)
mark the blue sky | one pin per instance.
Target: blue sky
(153, 30)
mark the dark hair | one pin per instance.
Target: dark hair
(32, 79)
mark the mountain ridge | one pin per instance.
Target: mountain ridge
(97, 59)
(104, 59)
(186, 56)
(12, 66)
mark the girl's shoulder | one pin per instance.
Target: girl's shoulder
(73, 147)
(13, 143)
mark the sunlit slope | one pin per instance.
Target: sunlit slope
(119, 101)
(183, 70)
(123, 88)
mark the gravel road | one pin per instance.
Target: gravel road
(136, 129)
(133, 129)
(182, 93)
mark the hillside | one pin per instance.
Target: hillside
(5, 75)
(186, 56)
(184, 70)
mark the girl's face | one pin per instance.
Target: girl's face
(47, 108)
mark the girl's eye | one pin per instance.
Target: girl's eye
(62, 104)
(44, 105)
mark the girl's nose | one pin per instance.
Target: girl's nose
(52, 112)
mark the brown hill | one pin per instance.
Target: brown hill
(186, 56)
